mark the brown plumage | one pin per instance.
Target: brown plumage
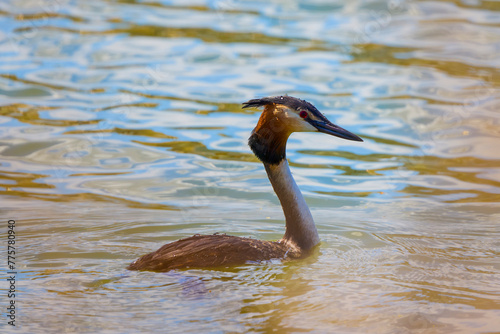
(268, 139)
(218, 250)
(282, 116)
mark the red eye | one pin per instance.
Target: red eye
(303, 114)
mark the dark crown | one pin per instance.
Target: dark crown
(289, 101)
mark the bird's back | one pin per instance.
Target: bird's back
(202, 251)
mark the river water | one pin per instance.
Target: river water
(121, 129)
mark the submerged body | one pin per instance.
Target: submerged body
(211, 251)
(282, 116)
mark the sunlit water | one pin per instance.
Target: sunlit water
(121, 129)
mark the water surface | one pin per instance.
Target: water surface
(121, 129)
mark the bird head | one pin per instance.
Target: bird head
(282, 116)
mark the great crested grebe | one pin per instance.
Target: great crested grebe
(282, 115)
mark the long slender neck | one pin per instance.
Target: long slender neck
(300, 229)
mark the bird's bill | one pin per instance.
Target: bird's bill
(334, 130)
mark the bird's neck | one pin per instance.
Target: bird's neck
(268, 139)
(300, 229)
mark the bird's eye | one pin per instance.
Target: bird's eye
(303, 114)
